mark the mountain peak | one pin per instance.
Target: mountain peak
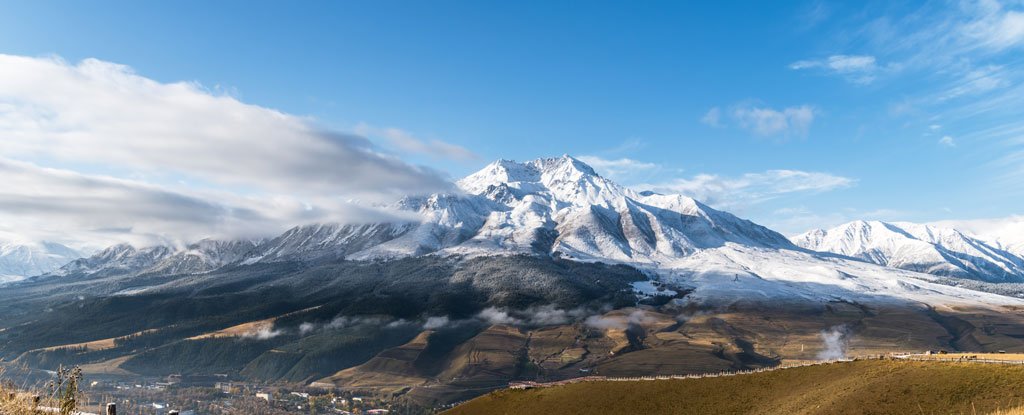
(566, 163)
(539, 170)
(23, 258)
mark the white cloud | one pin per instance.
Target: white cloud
(977, 81)
(712, 117)
(764, 121)
(408, 143)
(99, 113)
(623, 168)
(751, 188)
(1006, 233)
(88, 210)
(74, 134)
(494, 315)
(262, 333)
(630, 145)
(436, 322)
(947, 141)
(996, 29)
(859, 69)
(797, 220)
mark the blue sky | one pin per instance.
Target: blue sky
(796, 114)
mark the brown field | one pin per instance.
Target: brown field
(109, 367)
(861, 387)
(676, 342)
(249, 328)
(96, 345)
(239, 330)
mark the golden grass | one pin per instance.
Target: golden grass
(20, 402)
(985, 356)
(108, 367)
(1013, 411)
(249, 328)
(861, 387)
(239, 330)
(96, 345)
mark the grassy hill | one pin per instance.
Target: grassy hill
(861, 387)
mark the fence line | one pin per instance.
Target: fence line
(530, 384)
(905, 357)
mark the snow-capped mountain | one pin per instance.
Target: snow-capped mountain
(1003, 233)
(202, 256)
(117, 259)
(544, 206)
(19, 260)
(915, 247)
(205, 255)
(324, 242)
(563, 203)
(561, 207)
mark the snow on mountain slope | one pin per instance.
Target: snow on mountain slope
(117, 259)
(737, 273)
(325, 242)
(19, 260)
(1003, 233)
(123, 259)
(205, 255)
(562, 207)
(923, 248)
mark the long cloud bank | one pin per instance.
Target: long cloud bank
(95, 149)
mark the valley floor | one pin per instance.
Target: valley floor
(859, 387)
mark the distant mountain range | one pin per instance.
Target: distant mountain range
(558, 206)
(922, 248)
(124, 259)
(561, 207)
(23, 259)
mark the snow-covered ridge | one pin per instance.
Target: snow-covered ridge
(923, 248)
(19, 260)
(205, 255)
(562, 207)
(553, 206)
(1003, 233)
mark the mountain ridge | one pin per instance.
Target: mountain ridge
(918, 247)
(561, 207)
(553, 206)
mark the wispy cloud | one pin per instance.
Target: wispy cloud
(860, 69)
(406, 142)
(976, 81)
(750, 188)
(947, 141)
(762, 120)
(800, 219)
(770, 122)
(995, 28)
(619, 168)
(713, 117)
(958, 62)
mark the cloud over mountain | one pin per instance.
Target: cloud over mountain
(94, 145)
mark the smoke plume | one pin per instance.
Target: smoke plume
(835, 340)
